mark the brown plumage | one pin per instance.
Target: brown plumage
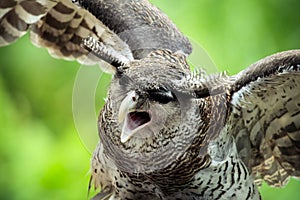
(167, 133)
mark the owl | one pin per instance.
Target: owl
(167, 132)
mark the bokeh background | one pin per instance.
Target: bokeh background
(41, 153)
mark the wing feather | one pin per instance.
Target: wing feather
(132, 29)
(64, 27)
(58, 25)
(266, 113)
(143, 26)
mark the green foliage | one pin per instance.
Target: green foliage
(41, 154)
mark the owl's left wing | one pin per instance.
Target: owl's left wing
(59, 26)
(118, 31)
(265, 116)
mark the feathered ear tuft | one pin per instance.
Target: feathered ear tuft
(104, 52)
(202, 85)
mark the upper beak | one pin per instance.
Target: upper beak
(127, 105)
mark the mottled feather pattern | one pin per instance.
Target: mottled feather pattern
(270, 113)
(143, 26)
(166, 132)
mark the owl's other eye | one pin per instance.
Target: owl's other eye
(161, 95)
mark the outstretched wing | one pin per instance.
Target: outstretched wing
(140, 24)
(265, 117)
(128, 29)
(59, 26)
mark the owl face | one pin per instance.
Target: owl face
(146, 105)
(152, 116)
(143, 111)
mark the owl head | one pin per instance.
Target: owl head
(146, 105)
(155, 113)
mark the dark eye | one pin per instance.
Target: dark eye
(161, 95)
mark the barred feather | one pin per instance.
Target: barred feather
(266, 115)
(58, 25)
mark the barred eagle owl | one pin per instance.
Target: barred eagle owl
(166, 132)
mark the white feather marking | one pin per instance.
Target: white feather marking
(27, 17)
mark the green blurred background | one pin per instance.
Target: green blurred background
(41, 154)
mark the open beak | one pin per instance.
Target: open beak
(131, 118)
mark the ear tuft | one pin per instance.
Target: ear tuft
(104, 52)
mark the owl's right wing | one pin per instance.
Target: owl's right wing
(265, 117)
(119, 31)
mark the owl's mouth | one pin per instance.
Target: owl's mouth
(134, 121)
(131, 119)
(137, 119)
